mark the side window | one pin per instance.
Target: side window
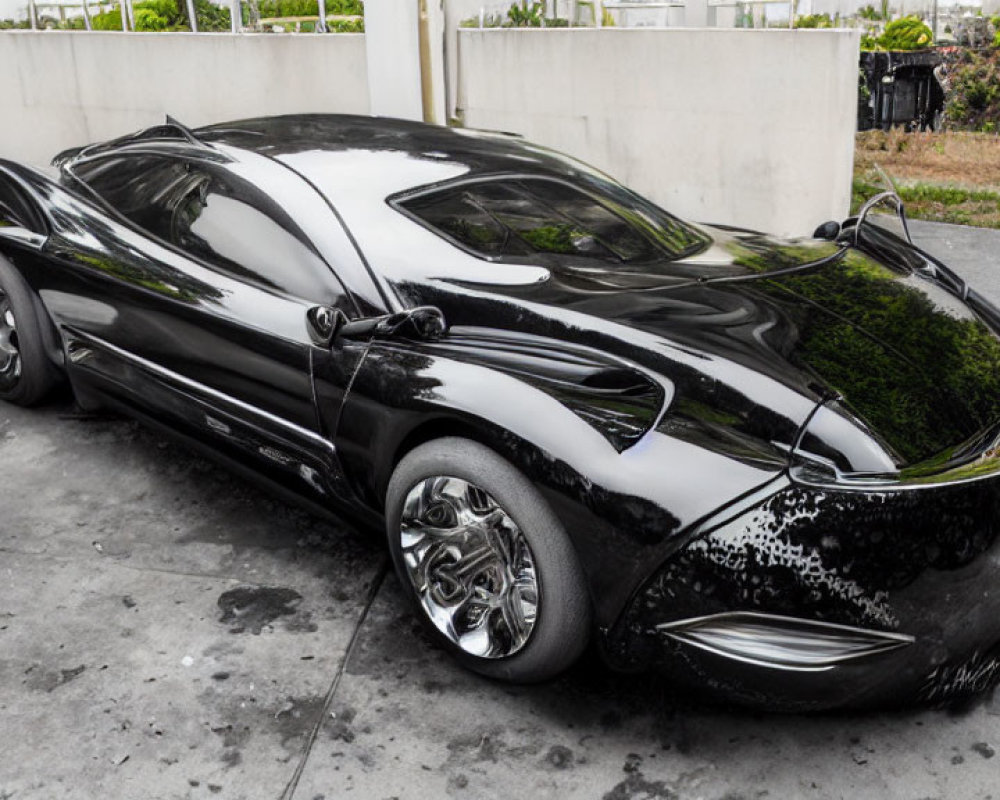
(524, 217)
(216, 217)
(135, 186)
(16, 210)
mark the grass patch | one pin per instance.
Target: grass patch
(942, 177)
(980, 208)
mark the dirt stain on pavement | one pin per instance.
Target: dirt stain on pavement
(636, 787)
(984, 749)
(249, 608)
(45, 680)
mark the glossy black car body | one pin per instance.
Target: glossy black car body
(775, 460)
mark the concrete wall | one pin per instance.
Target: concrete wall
(64, 89)
(394, 59)
(752, 128)
(394, 68)
(745, 127)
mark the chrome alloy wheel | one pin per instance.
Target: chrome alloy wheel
(10, 352)
(471, 566)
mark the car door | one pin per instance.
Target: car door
(192, 305)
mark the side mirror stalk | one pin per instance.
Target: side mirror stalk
(326, 325)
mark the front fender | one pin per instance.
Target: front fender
(623, 508)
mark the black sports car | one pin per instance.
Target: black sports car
(765, 466)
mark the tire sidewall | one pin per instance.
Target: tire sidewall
(37, 375)
(562, 625)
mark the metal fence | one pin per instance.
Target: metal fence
(320, 22)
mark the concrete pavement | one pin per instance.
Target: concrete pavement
(168, 631)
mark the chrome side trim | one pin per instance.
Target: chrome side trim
(778, 642)
(194, 386)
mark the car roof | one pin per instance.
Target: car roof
(476, 150)
(378, 156)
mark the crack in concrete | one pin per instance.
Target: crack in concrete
(373, 591)
(70, 558)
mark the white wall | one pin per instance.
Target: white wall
(744, 127)
(394, 58)
(64, 89)
(753, 128)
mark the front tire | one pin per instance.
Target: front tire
(26, 374)
(486, 562)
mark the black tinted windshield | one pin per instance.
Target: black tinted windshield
(515, 218)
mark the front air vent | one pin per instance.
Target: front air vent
(784, 643)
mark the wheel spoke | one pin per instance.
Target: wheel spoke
(471, 566)
(513, 612)
(10, 354)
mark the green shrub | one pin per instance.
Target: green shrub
(346, 25)
(346, 7)
(270, 9)
(906, 33)
(146, 19)
(973, 99)
(869, 42)
(108, 21)
(171, 15)
(165, 15)
(210, 16)
(525, 15)
(309, 8)
(814, 21)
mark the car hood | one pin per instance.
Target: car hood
(912, 362)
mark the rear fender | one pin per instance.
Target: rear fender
(25, 226)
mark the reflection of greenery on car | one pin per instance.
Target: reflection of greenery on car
(142, 277)
(919, 386)
(953, 464)
(471, 233)
(552, 238)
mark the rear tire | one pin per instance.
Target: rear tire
(486, 562)
(26, 374)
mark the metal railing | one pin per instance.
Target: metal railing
(235, 15)
(584, 13)
(127, 12)
(297, 21)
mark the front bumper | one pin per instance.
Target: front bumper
(849, 597)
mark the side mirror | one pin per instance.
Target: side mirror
(323, 323)
(828, 230)
(326, 325)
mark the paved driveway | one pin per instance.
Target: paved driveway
(166, 631)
